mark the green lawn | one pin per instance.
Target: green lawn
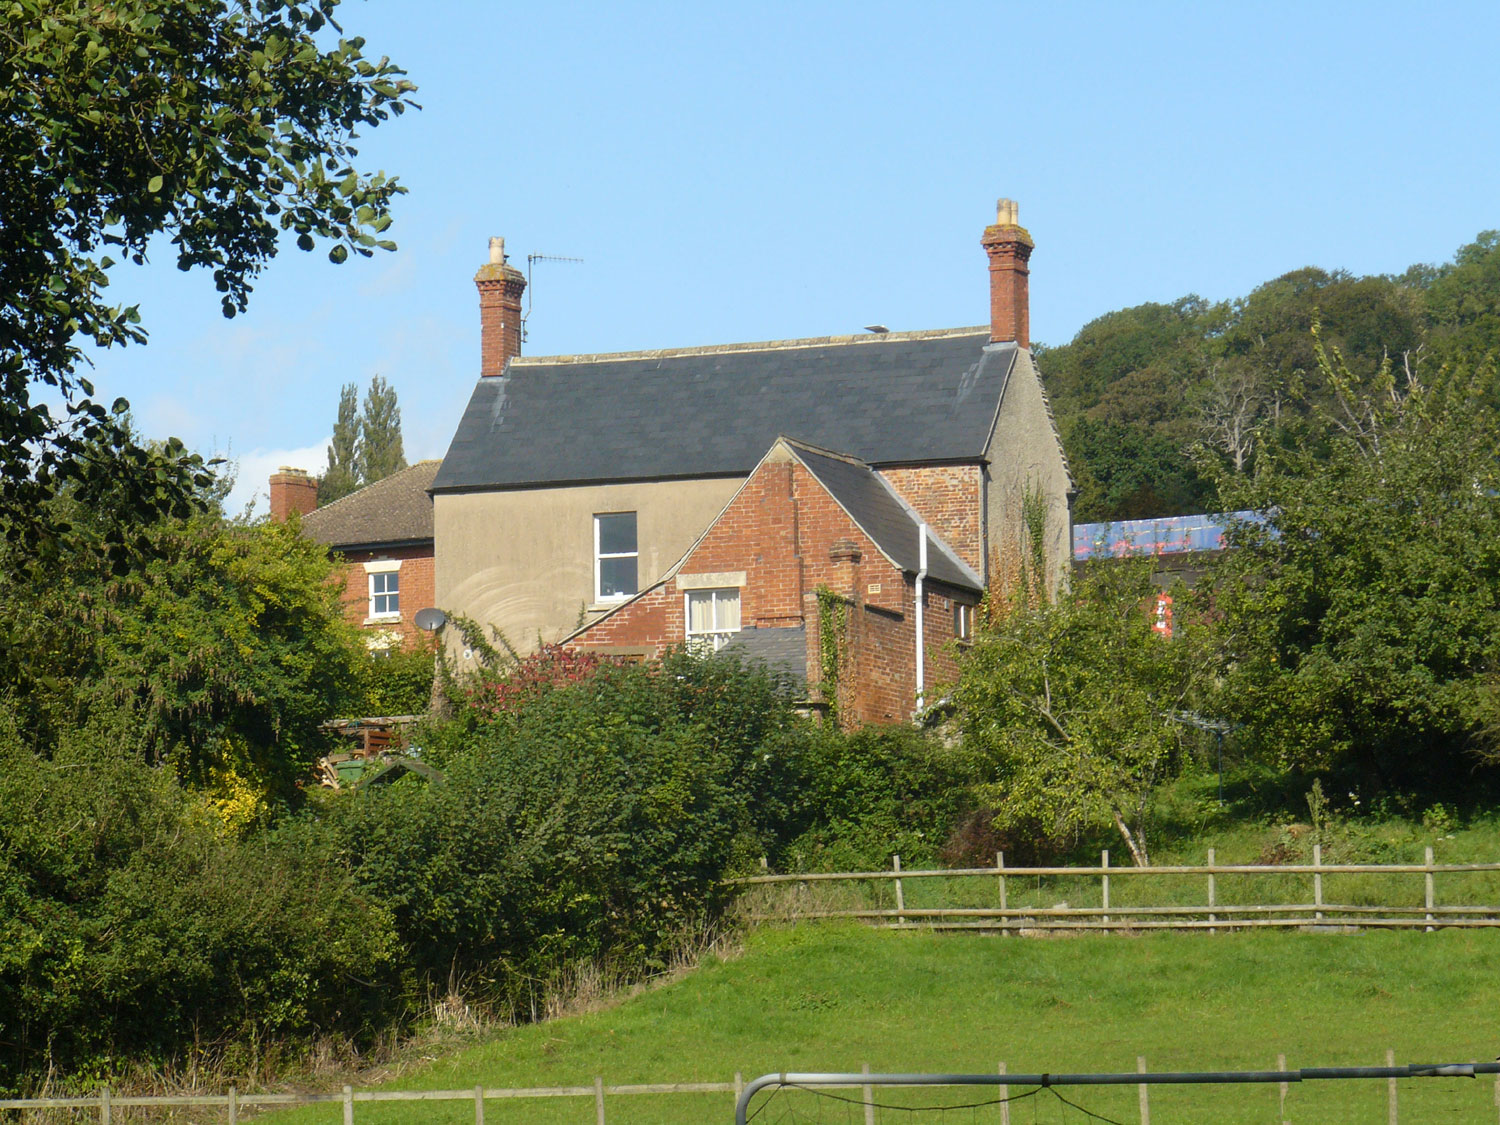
(831, 997)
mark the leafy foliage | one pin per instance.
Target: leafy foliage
(341, 477)
(221, 124)
(380, 452)
(366, 444)
(1362, 621)
(131, 928)
(1071, 708)
(592, 819)
(226, 645)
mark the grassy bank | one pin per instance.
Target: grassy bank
(835, 997)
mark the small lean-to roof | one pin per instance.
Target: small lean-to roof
(894, 398)
(782, 652)
(882, 515)
(394, 511)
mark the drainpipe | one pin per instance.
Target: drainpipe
(921, 648)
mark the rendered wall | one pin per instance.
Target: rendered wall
(523, 560)
(1025, 452)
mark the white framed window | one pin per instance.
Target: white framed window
(963, 621)
(616, 557)
(713, 617)
(384, 578)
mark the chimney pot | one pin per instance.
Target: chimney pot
(1009, 246)
(500, 287)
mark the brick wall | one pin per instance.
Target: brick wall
(416, 590)
(951, 499)
(790, 537)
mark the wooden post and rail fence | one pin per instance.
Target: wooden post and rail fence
(1211, 911)
(105, 1105)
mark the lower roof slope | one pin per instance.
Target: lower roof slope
(394, 510)
(886, 399)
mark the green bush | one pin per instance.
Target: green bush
(134, 928)
(594, 821)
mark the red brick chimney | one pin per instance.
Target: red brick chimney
(500, 288)
(292, 490)
(1009, 246)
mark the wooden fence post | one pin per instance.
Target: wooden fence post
(1390, 1091)
(348, 1105)
(1211, 895)
(900, 898)
(1145, 1091)
(104, 1110)
(1427, 878)
(1104, 882)
(234, 1106)
(478, 1105)
(869, 1098)
(1281, 1103)
(1317, 882)
(599, 1098)
(1005, 1094)
(1000, 872)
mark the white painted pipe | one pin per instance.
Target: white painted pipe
(921, 647)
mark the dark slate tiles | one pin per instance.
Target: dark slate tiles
(715, 413)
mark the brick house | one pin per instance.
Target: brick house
(755, 496)
(383, 536)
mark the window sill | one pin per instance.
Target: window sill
(384, 619)
(608, 604)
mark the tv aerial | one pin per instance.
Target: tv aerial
(531, 260)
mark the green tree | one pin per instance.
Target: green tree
(227, 646)
(341, 477)
(380, 452)
(222, 124)
(1072, 708)
(1361, 621)
(1463, 303)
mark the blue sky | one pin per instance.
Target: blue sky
(749, 172)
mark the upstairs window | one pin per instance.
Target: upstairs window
(713, 617)
(615, 557)
(963, 621)
(384, 578)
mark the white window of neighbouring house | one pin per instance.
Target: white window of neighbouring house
(384, 577)
(615, 556)
(963, 621)
(713, 616)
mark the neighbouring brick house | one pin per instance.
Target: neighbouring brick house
(753, 496)
(383, 536)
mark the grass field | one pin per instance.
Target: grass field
(833, 997)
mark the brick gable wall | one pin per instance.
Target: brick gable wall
(951, 499)
(779, 531)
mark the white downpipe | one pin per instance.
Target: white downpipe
(921, 648)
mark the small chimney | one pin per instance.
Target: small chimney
(1009, 246)
(500, 287)
(292, 490)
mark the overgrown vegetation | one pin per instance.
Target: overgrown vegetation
(1137, 390)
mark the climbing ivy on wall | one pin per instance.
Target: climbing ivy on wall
(833, 630)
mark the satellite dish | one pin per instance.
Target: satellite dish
(431, 619)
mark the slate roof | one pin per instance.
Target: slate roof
(396, 510)
(782, 651)
(896, 398)
(886, 518)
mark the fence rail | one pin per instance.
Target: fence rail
(1211, 912)
(105, 1102)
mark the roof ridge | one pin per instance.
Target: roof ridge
(761, 345)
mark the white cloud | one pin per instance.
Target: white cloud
(253, 473)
